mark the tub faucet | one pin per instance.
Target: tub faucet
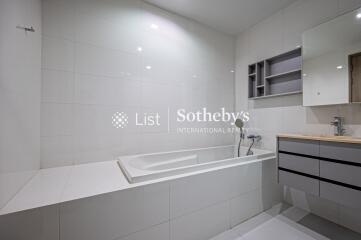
(338, 124)
(253, 138)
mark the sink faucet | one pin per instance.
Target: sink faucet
(338, 124)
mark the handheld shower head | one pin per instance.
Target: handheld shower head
(239, 123)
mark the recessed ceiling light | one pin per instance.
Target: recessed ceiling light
(139, 49)
(154, 26)
(232, 71)
(358, 16)
(339, 67)
(148, 67)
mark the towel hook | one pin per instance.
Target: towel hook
(26, 29)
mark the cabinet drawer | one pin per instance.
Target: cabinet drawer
(299, 146)
(300, 164)
(341, 151)
(341, 173)
(343, 195)
(306, 184)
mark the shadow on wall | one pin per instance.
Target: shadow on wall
(285, 101)
(324, 114)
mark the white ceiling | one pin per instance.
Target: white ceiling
(229, 16)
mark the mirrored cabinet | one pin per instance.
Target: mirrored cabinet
(332, 62)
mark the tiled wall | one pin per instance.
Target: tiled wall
(92, 68)
(194, 207)
(280, 33)
(20, 78)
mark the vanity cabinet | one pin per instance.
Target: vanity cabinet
(324, 168)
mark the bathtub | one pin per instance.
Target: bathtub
(146, 167)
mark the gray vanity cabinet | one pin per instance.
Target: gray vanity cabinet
(330, 170)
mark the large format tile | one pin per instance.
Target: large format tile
(201, 190)
(56, 151)
(58, 19)
(35, 224)
(40, 190)
(245, 178)
(57, 54)
(202, 224)
(159, 232)
(245, 206)
(57, 86)
(56, 119)
(115, 215)
(104, 62)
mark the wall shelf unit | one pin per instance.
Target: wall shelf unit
(277, 76)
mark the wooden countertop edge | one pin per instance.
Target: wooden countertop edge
(345, 139)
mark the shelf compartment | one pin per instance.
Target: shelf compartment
(252, 69)
(260, 91)
(284, 62)
(251, 86)
(284, 83)
(284, 74)
(260, 70)
(276, 76)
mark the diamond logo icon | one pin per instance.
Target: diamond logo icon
(120, 120)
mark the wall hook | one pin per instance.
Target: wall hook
(26, 29)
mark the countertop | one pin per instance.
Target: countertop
(341, 139)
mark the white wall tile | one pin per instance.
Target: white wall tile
(58, 54)
(57, 86)
(57, 151)
(245, 206)
(202, 224)
(35, 224)
(97, 42)
(58, 19)
(245, 178)
(56, 119)
(303, 15)
(103, 217)
(20, 79)
(159, 232)
(95, 60)
(205, 189)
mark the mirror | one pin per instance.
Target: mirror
(329, 52)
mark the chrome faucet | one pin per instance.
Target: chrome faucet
(338, 124)
(253, 138)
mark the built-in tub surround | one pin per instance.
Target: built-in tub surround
(145, 167)
(95, 201)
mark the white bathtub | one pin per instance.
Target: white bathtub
(139, 168)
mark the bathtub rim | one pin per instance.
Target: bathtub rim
(175, 172)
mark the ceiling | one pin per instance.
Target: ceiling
(228, 16)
